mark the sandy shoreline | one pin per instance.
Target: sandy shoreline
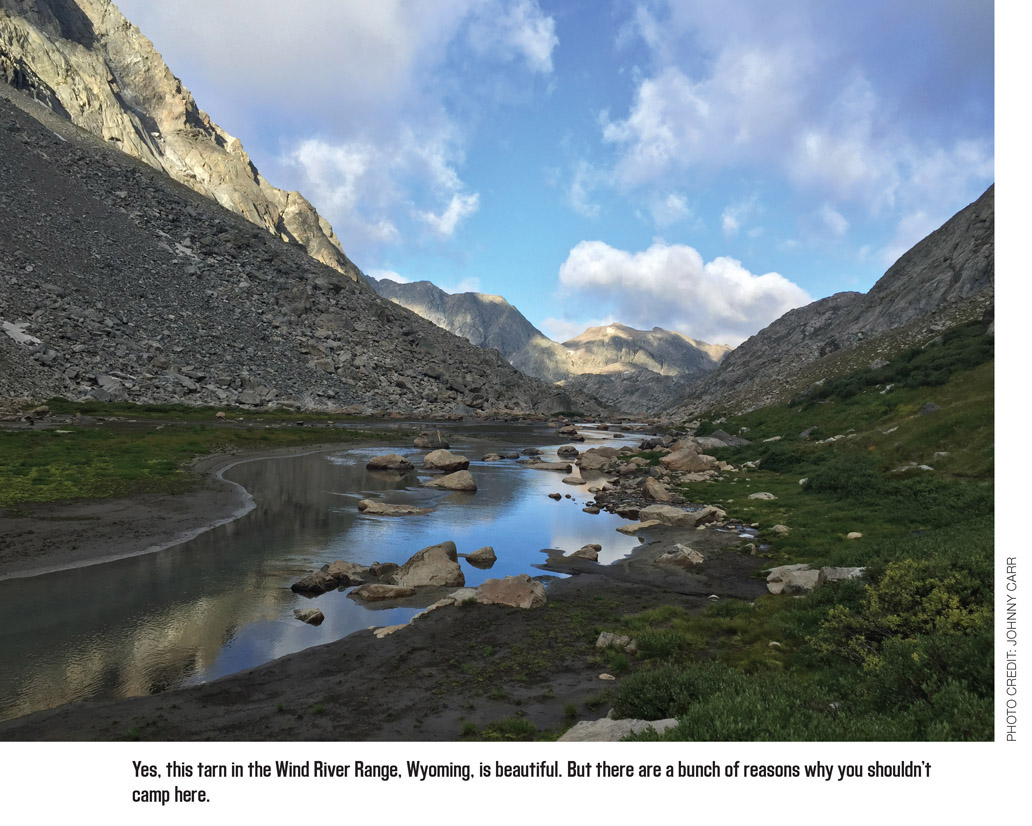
(63, 535)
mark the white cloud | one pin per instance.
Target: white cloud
(670, 285)
(585, 179)
(669, 210)
(734, 215)
(466, 285)
(735, 86)
(519, 29)
(561, 329)
(460, 207)
(833, 221)
(390, 275)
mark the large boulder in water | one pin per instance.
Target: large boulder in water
(460, 480)
(375, 508)
(434, 565)
(445, 460)
(390, 461)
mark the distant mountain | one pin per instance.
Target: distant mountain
(83, 60)
(633, 370)
(487, 321)
(944, 279)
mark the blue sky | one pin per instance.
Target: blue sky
(699, 166)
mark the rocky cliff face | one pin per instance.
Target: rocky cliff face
(86, 62)
(946, 278)
(118, 283)
(632, 370)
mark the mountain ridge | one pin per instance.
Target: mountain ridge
(86, 62)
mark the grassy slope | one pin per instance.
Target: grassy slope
(907, 653)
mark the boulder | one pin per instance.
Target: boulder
(829, 574)
(482, 557)
(654, 489)
(376, 592)
(559, 467)
(347, 573)
(375, 508)
(854, 535)
(606, 730)
(491, 457)
(633, 530)
(460, 480)
(688, 460)
(681, 556)
(317, 582)
(555, 496)
(589, 552)
(728, 439)
(313, 616)
(518, 591)
(929, 407)
(433, 565)
(607, 639)
(390, 461)
(792, 579)
(430, 441)
(780, 530)
(762, 495)
(680, 518)
(568, 452)
(445, 460)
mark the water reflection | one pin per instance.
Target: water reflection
(222, 602)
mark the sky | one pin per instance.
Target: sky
(694, 165)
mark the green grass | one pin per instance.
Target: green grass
(904, 654)
(122, 460)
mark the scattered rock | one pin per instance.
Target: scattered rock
(376, 508)
(376, 592)
(854, 535)
(762, 495)
(929, 407)
(433, 565)
(792, 579)
(482, 557)
(624, 643)
(313, 616)
(680, 518)
(445, 460)
(780, 530)
(589, 552)
(838, 574)
(681, 556)
(656, 490)
(460, 480)
(556, 496)
(518, 591)
(606, 730)
(390, 461)
(315, 583)
(633, 530)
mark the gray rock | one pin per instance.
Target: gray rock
(461, 480)
(433, 565)
(606, 730)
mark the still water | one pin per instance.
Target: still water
(222, 602)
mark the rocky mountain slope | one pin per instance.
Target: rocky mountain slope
(86, 62)
(632, 370)
(944, 279)
(118, 283)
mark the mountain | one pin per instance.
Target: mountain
(485, 320)
(632, 370)
(946, 278)
(116, 282)
(83, 60)
(660, 351)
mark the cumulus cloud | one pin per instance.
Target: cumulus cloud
(735, 214)
(670, 285)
